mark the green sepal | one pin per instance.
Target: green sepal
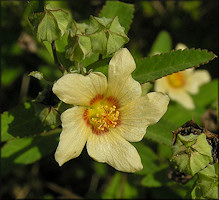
(208, 181)
(51, 24)
(48, 115)
(78, 48)
(106, 35)
(206, 185)
(191, 153)
(77, 28)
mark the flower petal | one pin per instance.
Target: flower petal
(138, 115)
(182, 97)
(73, 136)
(77, 89)
(161, 85)
(195, 80)
(120, 83)
(114, 150)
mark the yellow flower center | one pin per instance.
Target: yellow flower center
(103, 114)
(176, 79)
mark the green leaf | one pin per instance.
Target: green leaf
(27, 150)
(100, 169)
(46, 53)
(9, 75)
(175, 116)
(161, 132)
(60, 51)
(148, 158)
(100, 66)
(119, 188)
(155, 67)
(150, 181)
(112, 189)
(178, 115)
(162, 43)
(211, 89)
(123, 10)
(40, 76)
(35, 20)
(90, 60)
(37, 75)
(19, 122)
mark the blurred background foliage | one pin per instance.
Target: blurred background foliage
(194, 23)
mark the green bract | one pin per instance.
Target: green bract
(79, 45)
(106, 35)
(206, 186)
(191, 153)
(51, 24)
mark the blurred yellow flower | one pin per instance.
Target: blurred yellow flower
(108, 114)
(179, 85)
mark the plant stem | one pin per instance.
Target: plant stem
(56, 58)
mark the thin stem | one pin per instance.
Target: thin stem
(56, 58)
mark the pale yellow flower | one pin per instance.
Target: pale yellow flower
(179, 85)
(108, 114)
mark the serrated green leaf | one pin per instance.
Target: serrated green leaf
(27, 150)
(123, 10)
(162, 43)
(211, 89)
(155, 67)
(19, 122)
